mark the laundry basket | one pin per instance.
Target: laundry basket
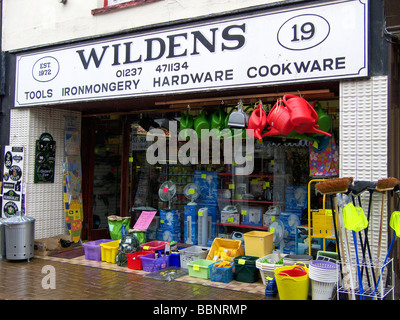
(292, 282)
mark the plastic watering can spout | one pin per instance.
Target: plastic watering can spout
(272, 132)
(311, 129)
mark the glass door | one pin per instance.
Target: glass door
(103, 152)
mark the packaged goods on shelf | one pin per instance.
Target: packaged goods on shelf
(208, 183)
(251, 215)
(296, 198)
(190, 224)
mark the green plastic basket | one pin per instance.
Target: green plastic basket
(199, 268)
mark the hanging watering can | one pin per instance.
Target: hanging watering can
(301, 112)
(279, 120)
(324, 120)
(257, 122)
(217, 119)
(186, 121)
(200, 123)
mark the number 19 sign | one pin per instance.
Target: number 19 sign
(313, 42)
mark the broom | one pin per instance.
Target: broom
(332, 187)
(384, 185)
(395, 225)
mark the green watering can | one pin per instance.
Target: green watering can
(187, 121)
(324, 120)
(200, 123)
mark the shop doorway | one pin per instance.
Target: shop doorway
(102, 148)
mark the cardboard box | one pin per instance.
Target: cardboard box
(52, 245)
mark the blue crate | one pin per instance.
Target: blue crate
(220, 274)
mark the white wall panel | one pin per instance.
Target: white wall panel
(44, 201)
(363, 144)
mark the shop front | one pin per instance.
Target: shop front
(238, 116)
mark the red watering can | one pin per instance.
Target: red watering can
(279, 120)
(301, 112)
(257, 122)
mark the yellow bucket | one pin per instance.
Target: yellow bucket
(293, 282)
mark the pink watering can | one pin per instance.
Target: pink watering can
(279, 120)
(257, 122)
(301, 112)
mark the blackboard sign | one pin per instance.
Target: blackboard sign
(45, 156)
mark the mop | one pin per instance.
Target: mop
(355, 220)
(357, 188)
(395, 225)
(332, 187)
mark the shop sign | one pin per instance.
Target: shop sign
(12, 181)
(322, 41)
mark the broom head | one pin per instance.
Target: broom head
(387, 184)
(333, 186)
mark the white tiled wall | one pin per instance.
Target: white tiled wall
(44, 201)
(363, 147)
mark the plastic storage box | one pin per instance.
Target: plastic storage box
(135, 259)
(268, 264)
(220, 245)
(109, 251)
(191, 254)
(153, 245)
(93, 249)
(258, 243)
(221, 274)
(151, 263)
(245, 269)
(200, 268)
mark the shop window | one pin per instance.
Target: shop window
(112, 5)
(276, 187)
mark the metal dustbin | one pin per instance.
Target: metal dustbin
(19, 237)
(2, 239)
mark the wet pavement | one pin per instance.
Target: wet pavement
(33, 280)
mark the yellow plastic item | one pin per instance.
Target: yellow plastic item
(292, 287)
(354, 218)
(221, 245)
(258, 243)
(395, 222)
(109, 251)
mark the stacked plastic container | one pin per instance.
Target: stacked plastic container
(93, 249)
(323, 275)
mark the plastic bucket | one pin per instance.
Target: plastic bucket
(292, 282)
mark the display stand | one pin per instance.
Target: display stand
(384, 287)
